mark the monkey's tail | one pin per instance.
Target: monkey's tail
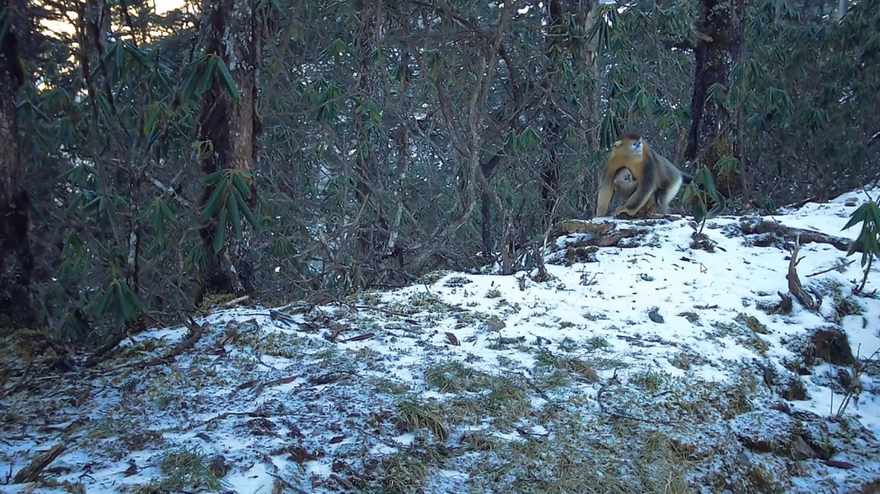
(719, 208)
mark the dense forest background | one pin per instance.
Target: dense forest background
(292, 149)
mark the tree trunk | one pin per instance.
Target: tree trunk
(16, 259)
(370, 237)
(713, 131)
(586, 17)
(232, 128)
(486, 205)
(554, 56)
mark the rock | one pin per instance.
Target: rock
(772, 431)
(800, 450)
(831, 345)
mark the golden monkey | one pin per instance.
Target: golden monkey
(652, 179)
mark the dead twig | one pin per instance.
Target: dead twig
(377, 309)
(236, 301)
(794, 282)
(838, 266)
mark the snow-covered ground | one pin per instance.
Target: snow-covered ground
(658, 368)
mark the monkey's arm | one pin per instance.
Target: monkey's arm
(636, 202)
(604, 197)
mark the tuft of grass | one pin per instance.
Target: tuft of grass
(739, 330)
(581, 458)
(660, 468)
(578, 367)
(597, 343)
(432, 277)
(478, 441)
(752, 323)
(455, 377)
(682, 361)
(457, 281)
(367, 354)
(493, 293)
(404, 473)
(387, 386)
(416, 416)
(185, 470)
(508, 395)
(649, 380)
(692, 317)
(595, 317)
(557, 378)
(568, 345)
(762, 480)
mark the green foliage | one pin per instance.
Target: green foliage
(523, 141)
(868, 241)
(700, 193)
(868, 215)
(727, 166)
(336, 50)
(329, 102)
(202, 73)
(228, 203)
(119, 300)
(160, 214)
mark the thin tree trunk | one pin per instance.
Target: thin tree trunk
(232, 128)
(713, 131)
(16, 259)
(591, 114)
(366, 169)
(554, 56)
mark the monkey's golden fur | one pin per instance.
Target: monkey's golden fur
(643, 178)
(625, 185)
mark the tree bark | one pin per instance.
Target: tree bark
(232, 128)
(372, 231)
(713, 131)
(554, 56)
(16, 259)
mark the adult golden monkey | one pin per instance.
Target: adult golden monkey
(652, 179)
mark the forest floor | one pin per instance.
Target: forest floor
(651, 367)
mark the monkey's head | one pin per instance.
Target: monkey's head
(630, 143)
(623, 177)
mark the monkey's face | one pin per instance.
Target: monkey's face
(636, 147)
(623, 177)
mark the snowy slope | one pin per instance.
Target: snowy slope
(552, 384)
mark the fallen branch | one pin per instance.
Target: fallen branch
(599, 234)
(32, 472)
(749, 226)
